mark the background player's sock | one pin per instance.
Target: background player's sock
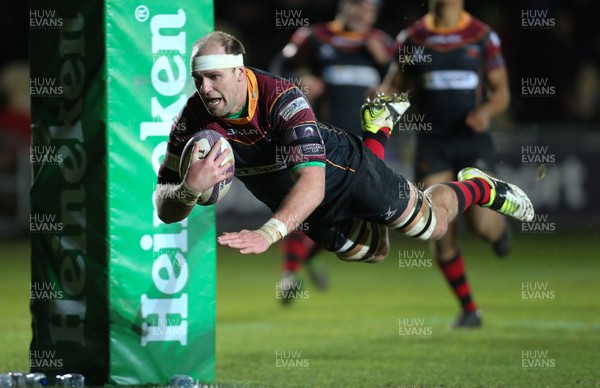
(296, 249)
(377, 141)
(474, 191)
(454, 271)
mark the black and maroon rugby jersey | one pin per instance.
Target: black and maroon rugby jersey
(449, 67)
(279, 134)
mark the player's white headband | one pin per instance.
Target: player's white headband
(216, 61)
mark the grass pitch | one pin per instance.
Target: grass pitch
(384, 325)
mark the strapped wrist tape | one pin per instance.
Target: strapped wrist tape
(273, 230)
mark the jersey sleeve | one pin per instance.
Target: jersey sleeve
(492, 52)
(168, 171)
(298, 51)
(388, 42)
(300, 142)
(390, 47)
(401, 39)
(403, 48)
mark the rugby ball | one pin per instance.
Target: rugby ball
(207, 138)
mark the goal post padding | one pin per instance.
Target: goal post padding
(137, 297)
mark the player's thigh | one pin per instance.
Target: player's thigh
(379, 194)
(354, 240)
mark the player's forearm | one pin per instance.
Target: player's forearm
(304, 197)
(498, 96)
(392, 82)
(173, 203)
(498, 101)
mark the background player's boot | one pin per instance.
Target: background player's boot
(383, 111)
(505, 198)
(317, 273)
(467, 319)
(288, 287)
(502, 246)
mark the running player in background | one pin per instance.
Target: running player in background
(453, 64)
(335, 64)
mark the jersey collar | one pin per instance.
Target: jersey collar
(252, 100)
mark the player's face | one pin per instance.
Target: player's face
(444, 3)
(360, 16)
(220, 90)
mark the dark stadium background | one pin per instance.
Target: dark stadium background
(563, 53)
(559, 53)
(567, 55)
(567, 123)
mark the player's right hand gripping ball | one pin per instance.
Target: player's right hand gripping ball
(206, 140)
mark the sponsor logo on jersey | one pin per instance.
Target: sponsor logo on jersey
(294, 107)
(351, 75)
(305, 130)
(341, 40)
(472, 51)
(443, 39)
(450, 80)
(242, 131)
(312, 149)
(389, 213)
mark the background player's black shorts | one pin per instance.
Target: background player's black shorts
(453, 153)
(377, 194)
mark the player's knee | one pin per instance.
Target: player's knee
(384, 248)
(422, 221)
(375, 259)
(441, 228)
(366, 243)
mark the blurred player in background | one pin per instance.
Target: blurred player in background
(453, 64)
(333, 183)
(335, 64)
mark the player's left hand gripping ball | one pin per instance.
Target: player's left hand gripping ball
(205, 140)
